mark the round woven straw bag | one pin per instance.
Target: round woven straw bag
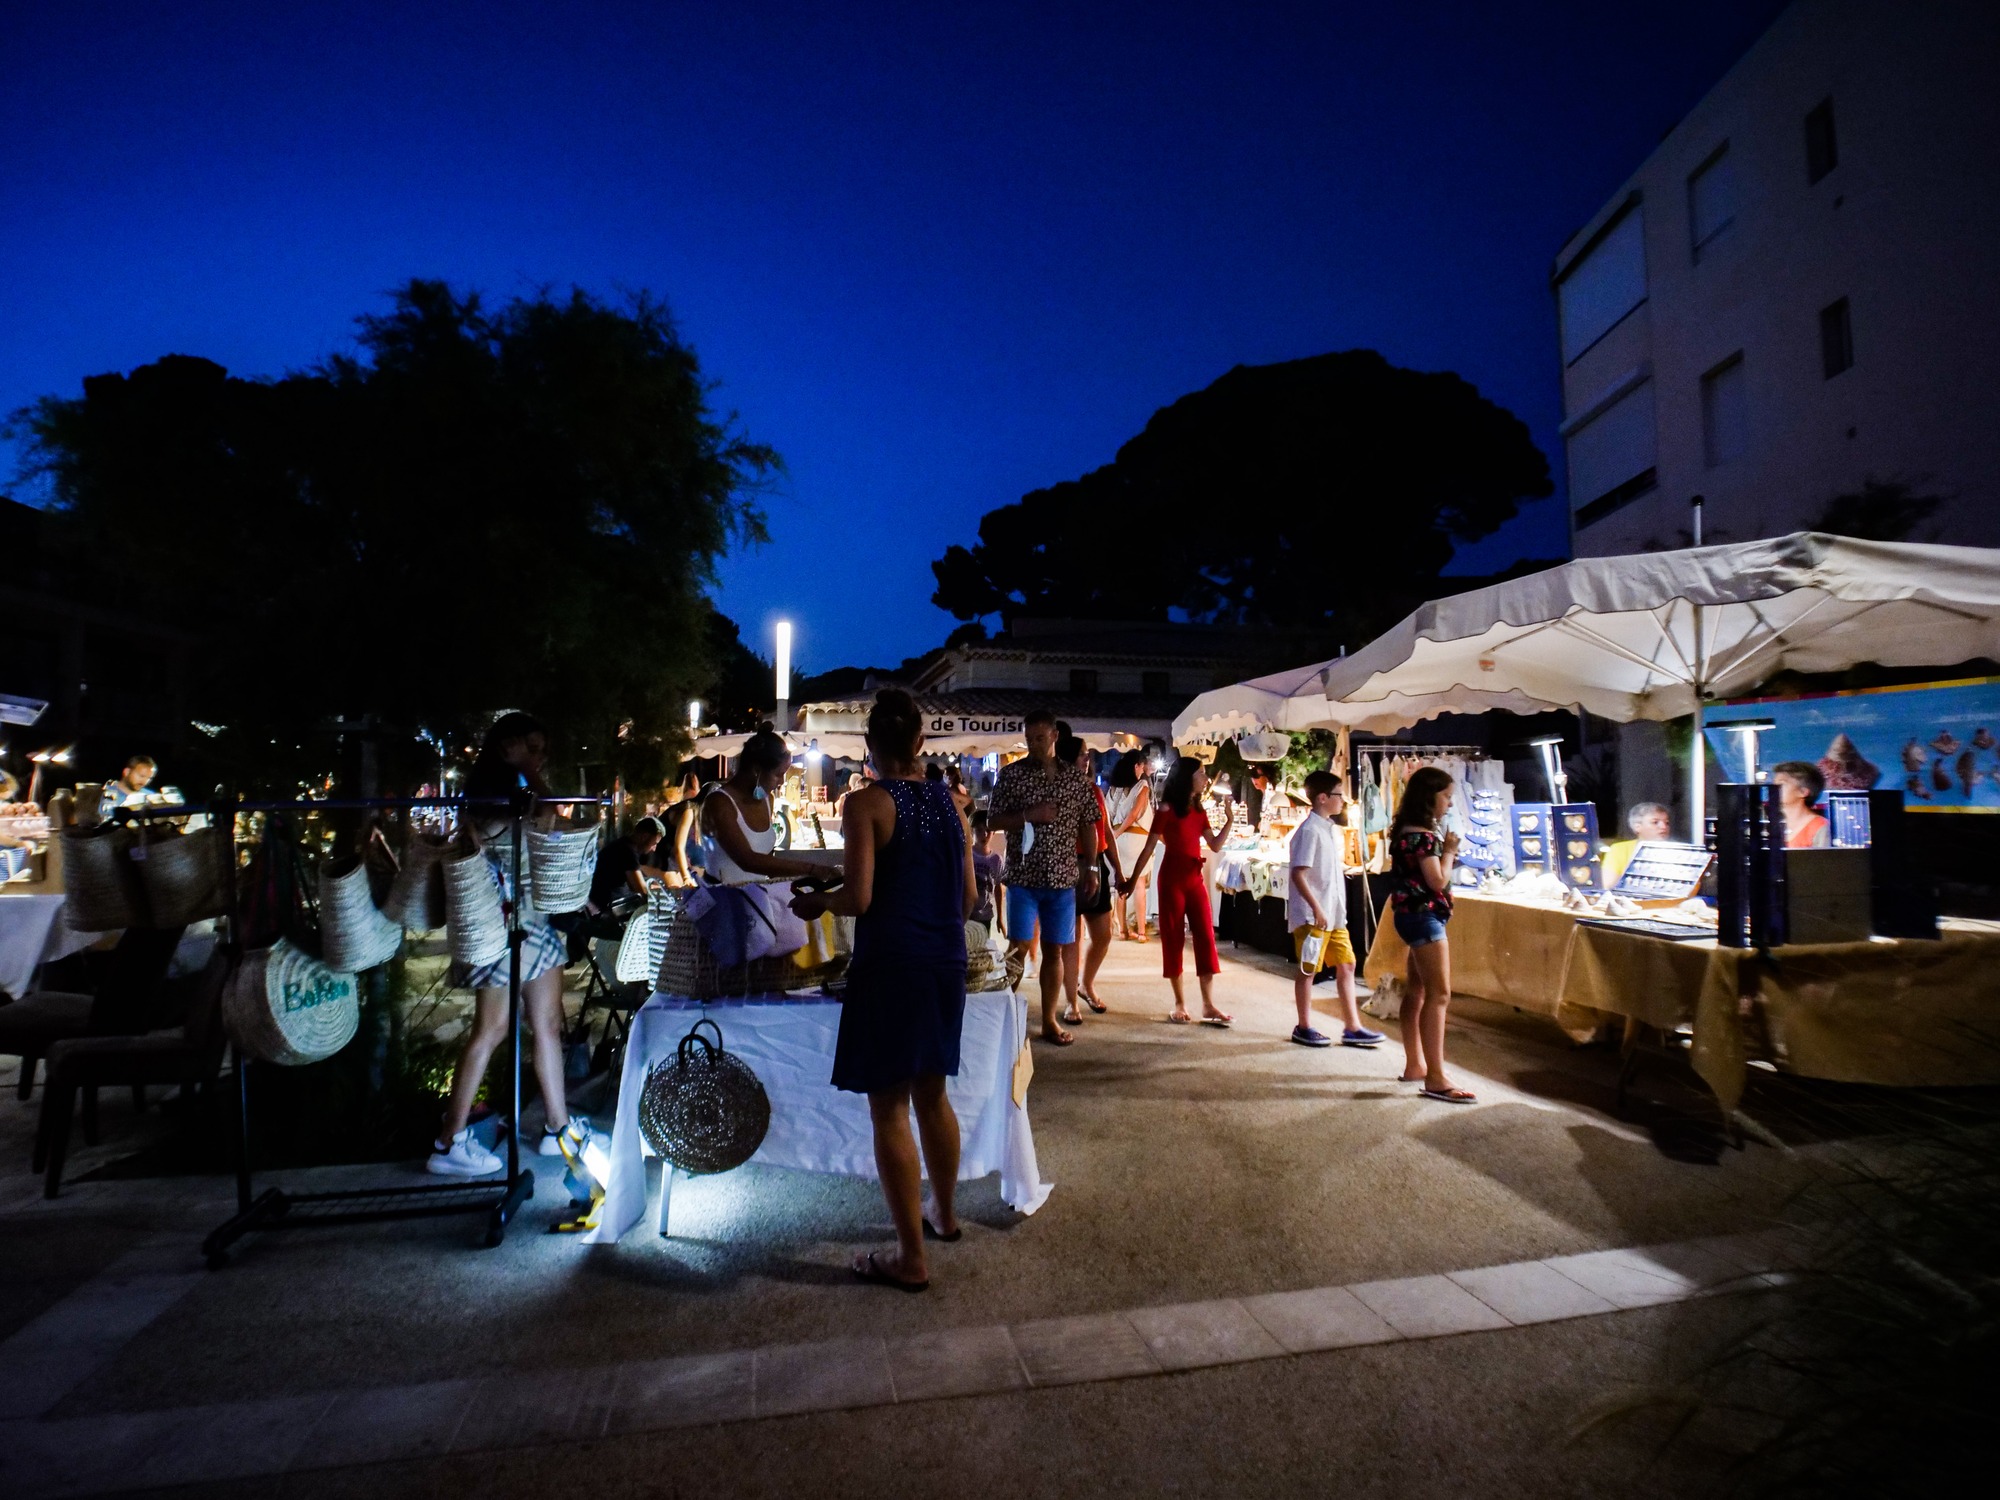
(702, 1109)
(185, 875)
(561, 863)
(353, 934)
(99, 881)
(284, 1006)
(478, 925)
(416, 896)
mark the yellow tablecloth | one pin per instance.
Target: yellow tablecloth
(1908, 1012)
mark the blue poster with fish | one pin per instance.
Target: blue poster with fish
(1939, 742)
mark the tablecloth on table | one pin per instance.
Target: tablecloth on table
(1904, 1012)
(32, 933)
(788, 1041)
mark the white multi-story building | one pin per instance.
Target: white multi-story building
(1796, 297)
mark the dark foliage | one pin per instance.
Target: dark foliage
(1881, 511)
(1239, 503)
(482, 509)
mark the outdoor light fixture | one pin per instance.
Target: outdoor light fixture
(784, 661)
(1548, 747)
(694, 714)
(1749, 729)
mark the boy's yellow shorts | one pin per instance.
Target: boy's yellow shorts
(1338, 949)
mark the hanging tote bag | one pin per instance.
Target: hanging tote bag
(473, 914)
(561, 863)
(354, 935)
(702, 1109)
(634, 963)
(185, 875)
(416, 896)
(101, 886)
(283, 1006)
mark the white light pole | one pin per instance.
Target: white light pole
(694, 715)
(784, 675)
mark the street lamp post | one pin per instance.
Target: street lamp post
(784, 676)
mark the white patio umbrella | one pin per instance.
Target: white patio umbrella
(1655, 636)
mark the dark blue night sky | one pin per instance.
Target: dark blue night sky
(936, 255)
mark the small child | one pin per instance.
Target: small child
(988, 867)
(1318, 913)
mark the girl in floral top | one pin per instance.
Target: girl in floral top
(1420, 861)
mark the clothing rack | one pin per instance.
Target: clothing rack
(275, 1208)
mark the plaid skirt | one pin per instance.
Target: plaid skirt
(542, 948)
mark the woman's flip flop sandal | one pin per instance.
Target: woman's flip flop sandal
(1449, 1096)
(1092, 1002)
(931, 1232)
(870, 1272)
(1221, 1021)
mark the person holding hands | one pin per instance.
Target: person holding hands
(1318, 913)
(1180, 823)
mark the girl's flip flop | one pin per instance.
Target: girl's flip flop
(1449, 1096)
(870, 1272)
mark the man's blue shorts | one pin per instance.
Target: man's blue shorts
(1055, 908)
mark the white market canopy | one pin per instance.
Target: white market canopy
(1642, 637)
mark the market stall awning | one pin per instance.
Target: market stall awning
(1644, 637)
(981, 721)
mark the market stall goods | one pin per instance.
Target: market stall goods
(282, 1005)
(788, 1041)
(354, 934)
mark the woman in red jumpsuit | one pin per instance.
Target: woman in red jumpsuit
(1180, 823)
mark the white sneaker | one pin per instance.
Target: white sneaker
(465, 1157)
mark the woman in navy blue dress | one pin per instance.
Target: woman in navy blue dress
(908, 883)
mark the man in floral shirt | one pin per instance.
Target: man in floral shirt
(1048, 814)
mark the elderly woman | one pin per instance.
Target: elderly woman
(1799, 786)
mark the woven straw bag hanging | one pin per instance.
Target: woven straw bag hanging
(101, 886)
(477, 924)
(282, 1005)
(562, 862)
(185, 875)
(416, 896)
(702, 1109)
(353, 934)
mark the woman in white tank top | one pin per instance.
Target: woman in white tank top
(1129, 804)
(737, 850)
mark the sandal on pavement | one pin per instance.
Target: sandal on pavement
(1057, 1038)
(868, 1271)
(1180, 1018)
(1449, 1096)
(932, 1232)
(1094, 1003)
(1218, 1019)
(1070, 1017)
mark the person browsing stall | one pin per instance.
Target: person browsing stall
(1180, 828)
(1093, 911)
(1047, 812)
(1317, 908)
(1420, 861)
(1799, 786)
(133, 788)
(907, 880)
(510, 763)
(739, 817)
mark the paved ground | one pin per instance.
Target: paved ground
(1191, 1167)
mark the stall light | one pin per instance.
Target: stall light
(1548, 746)
(1749, 729)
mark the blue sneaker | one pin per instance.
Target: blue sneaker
(1305, 1036)
(1360, 1037)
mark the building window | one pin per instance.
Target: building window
(1083, 680)
(1156, 684)
(1822, 150)
(1602, 285)
(1711, 199)
(1836, 339)
(1611, 456)
(1725, 413)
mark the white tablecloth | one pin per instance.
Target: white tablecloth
(788, 1040)
(32, 933)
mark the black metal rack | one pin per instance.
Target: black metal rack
(274, 1208)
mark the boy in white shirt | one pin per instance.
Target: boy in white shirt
(1318, 912)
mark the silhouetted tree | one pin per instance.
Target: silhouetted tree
(482, 508)
(1325, 492)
